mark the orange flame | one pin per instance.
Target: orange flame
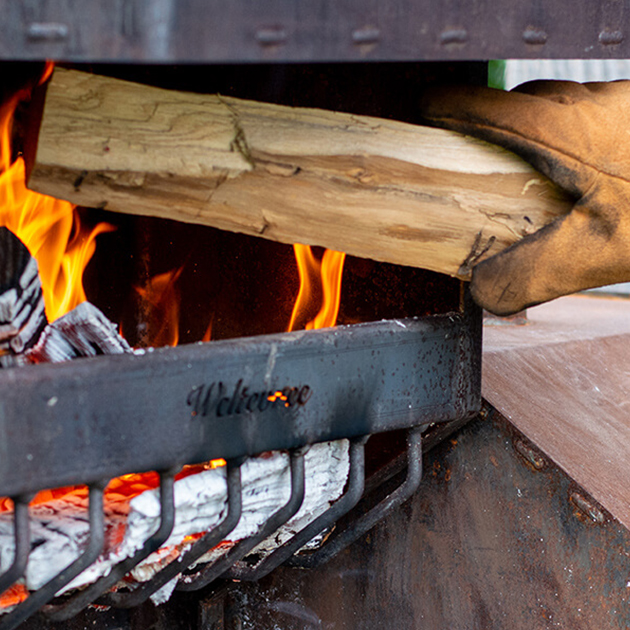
(49, 228)
(207, 336)
(48, 70)
(54, 235)
(161, 300)
(328, 273)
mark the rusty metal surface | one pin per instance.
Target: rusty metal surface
(311, 30)
(563, 380)
(489, 542)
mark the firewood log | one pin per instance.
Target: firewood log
(373, 188)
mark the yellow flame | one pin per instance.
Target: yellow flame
(312, 272)
(331, 271)
(50, 228)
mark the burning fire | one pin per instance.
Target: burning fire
(325, 275)
(320, 285)
(161, 303)
(50, 228)
(52, 231)
(127, 486)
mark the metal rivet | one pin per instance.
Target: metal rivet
(47, 31)
(534, 36)
(273, 36)
(588, 507)
(366, 35)
(610, 38)
(530, 455)
(453, 36)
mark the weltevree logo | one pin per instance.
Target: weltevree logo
(217, 398)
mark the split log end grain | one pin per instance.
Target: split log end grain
(373, 188)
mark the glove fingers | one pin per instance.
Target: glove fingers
(544, 123)
(572, 91)
(554, 90)
(580, 251)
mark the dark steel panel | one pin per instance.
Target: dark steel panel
(486, 543)
(97, 418)
(311, 30)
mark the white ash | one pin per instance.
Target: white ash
(266, 487)
(163, 594)
(82, 332)
(22, 313)
(59, 529)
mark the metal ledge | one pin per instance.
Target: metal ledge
(176, 31)
(94, 419)
(563, 381)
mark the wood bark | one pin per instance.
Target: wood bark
(373, 188)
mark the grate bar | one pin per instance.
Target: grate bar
(22, 537)
(343, 505)
(199, 548)
(212, 571)
(94, 548)
(153, 543)
(200, 402)
(378, 512)
(217, 400)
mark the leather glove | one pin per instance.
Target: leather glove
(578, 135)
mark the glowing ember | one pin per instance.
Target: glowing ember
(13, 596)
(200, 501)
(325, 275)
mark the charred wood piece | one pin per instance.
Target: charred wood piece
(22, 314)
(83, 332)
(58, 527)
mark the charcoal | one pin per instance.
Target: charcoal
(83, 332)
(59, 527)
(22, 313)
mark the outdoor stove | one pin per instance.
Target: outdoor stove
(409, 361)
(406, 375)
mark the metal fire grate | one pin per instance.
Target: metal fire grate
(87, 421)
